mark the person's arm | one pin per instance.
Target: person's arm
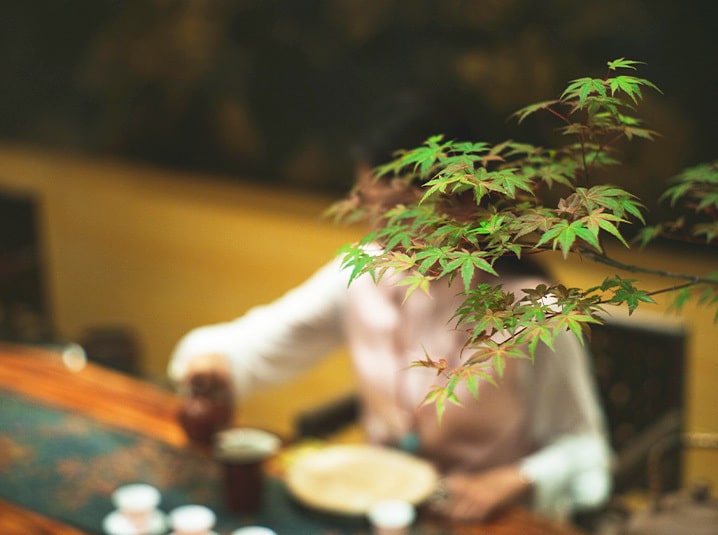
(270, 343)
(478, 495)
(571, 472)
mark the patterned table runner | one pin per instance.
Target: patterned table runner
(65, 466)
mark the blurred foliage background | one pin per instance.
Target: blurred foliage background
(285, 91)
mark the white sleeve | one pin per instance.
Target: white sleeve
(275, 342)
(571, 470)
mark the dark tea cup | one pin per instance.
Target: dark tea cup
(242, 453)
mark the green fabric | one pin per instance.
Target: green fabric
(65, 466)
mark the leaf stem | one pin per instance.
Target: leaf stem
(602, 147)
(559, 115)
(584, 163)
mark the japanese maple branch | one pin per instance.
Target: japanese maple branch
(603, 259)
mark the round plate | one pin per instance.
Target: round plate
(348, 479)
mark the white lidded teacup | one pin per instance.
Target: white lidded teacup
(192, 520)
(254, 530)
(137, 503)
(391, 517)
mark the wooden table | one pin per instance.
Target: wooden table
(139, 406)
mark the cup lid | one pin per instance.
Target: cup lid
(254, 530)
(246, 443)
(136, 497)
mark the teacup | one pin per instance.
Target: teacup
(391, 517)
(192, 520)
(137, 503)
(242, 452)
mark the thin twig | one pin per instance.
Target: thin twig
(673, 288)
(603, 259)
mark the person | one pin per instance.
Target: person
(538, 438)
(540, 430)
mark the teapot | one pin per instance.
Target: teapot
(207, 406)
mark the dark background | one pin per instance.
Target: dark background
(283, 91)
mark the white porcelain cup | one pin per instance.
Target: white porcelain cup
(137, 503)
(391, 517)
(192, 520)
(254, 530)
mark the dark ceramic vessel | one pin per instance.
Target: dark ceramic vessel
(207, 406)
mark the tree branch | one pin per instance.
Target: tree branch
(603, 259)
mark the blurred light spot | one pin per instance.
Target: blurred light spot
(74, 357)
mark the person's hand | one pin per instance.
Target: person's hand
(476, 496)
(207, 397)
(213, 364)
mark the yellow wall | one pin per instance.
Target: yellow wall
(162, 252)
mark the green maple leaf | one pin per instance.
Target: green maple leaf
(562, 235)
(535, 333)
(415, 281)
(573, 321)
(421, 159)
(631, 131)
(623, 63)
(533, 108)
(356, 258)
(709, 230)
(429, 257)
(625, 292)
(466, 263)
(581, 88)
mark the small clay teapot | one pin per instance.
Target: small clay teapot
(207, 406)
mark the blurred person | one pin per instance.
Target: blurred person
(537, 439)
